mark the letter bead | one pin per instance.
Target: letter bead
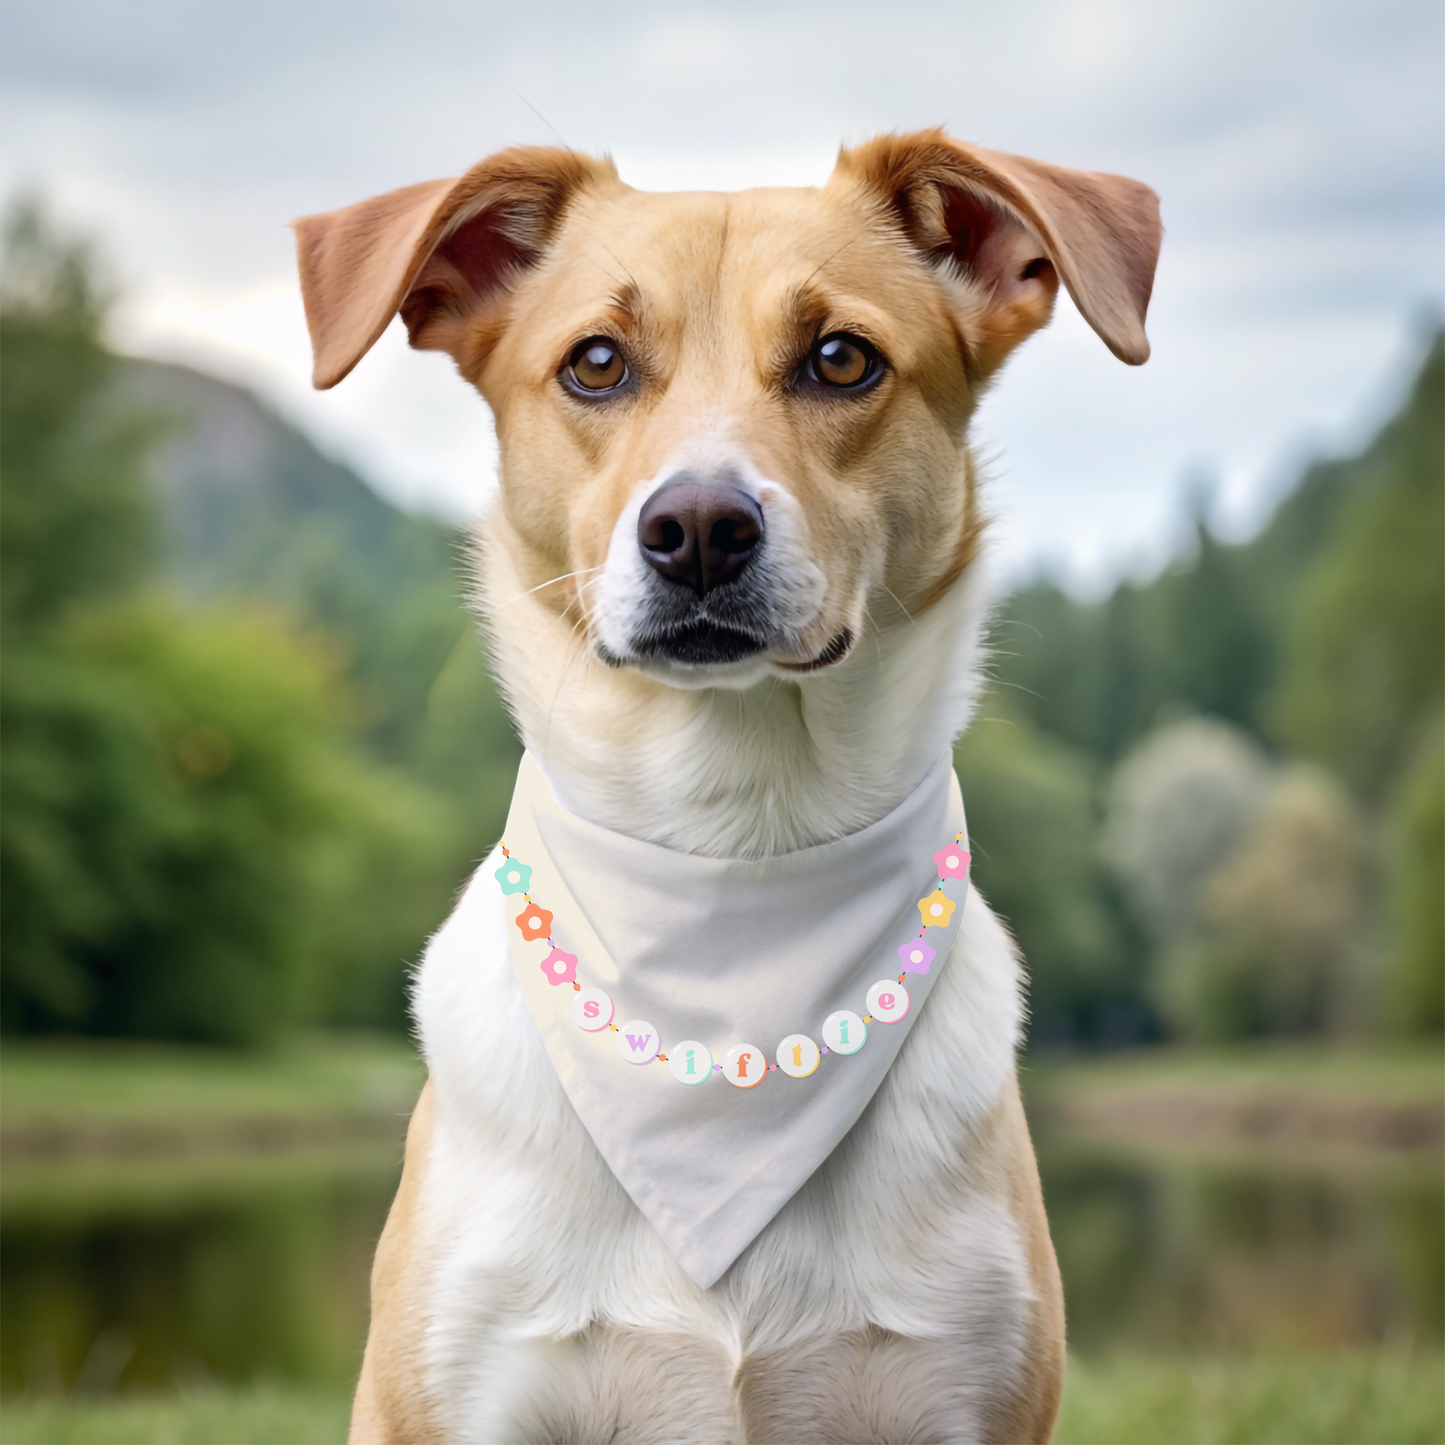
(592, 1010)
(844, 1032)
(887, 1001)
(690, 1062)
(746, 1065)
(798, 1055)
(638, 1042)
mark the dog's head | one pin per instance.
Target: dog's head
(733, 427)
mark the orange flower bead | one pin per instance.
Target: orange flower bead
(534, 922)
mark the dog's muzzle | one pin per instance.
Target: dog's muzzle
(699, 538)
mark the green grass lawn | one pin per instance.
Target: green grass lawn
(81, 1105)
(267, 1415)
(1387, 1071)
(106, 1082)
(1385, 1399)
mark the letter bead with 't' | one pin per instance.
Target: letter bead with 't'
(798, 1055)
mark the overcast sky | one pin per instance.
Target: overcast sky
(1298, 147)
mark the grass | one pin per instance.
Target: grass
(1392, 1398)
(121, 1083)
(261, 1415)
(80, 1105)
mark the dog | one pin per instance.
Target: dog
(736, 591)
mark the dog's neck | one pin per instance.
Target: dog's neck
(751, 773)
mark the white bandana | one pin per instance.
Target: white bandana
(712, 954)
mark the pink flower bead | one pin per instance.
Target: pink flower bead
(953, 861)
(560, 967)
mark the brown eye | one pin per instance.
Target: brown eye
(596, 365)
(843, 361)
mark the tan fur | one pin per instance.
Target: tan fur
(391, 1406)
(945, 257)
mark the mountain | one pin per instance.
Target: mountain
(252, 509)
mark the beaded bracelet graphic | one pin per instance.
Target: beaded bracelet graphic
(744, 1065)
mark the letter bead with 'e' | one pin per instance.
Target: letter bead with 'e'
(887, 1001)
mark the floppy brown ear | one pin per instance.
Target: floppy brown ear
(437, 252)
(1010, 224)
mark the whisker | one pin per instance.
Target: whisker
(581, 572)
(873, 628)
(901, 607)
(830, 259)
(565, 143)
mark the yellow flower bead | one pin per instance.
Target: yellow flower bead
(936, 910)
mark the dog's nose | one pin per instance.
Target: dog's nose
(698, 533)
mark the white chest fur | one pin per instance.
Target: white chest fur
(550, 1287)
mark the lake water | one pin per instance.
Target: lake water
(150, 1276)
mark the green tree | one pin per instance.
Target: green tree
(188, 832)
(1416, 999)
(1274, 939)
(1366, 672)
(76, 522)
(192, 845)
(1033, 829)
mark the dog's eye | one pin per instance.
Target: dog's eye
(843, 362)
(596, 365)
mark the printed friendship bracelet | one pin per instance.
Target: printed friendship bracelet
(745, 1065)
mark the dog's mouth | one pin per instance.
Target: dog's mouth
(835, 651)
(699, 644)
(703, 644)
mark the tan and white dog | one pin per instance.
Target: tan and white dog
(735, 583)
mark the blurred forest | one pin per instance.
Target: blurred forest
(1212, 806)
(251, 748)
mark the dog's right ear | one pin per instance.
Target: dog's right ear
(441, 253)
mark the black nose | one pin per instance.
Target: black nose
(698, 533)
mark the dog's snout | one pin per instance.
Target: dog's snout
(698, 533)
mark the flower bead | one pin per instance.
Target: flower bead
(916, 955)
(513, 876)
(534, 922)
(952, 862)
(560, 967)
(936, 910)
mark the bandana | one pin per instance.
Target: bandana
(647, 970)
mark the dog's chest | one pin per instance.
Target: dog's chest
(553, 1304)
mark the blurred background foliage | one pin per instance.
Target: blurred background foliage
(251, 747)
(1210, 805)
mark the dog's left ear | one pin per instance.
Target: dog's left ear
(1015, 227)
(441, 253)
